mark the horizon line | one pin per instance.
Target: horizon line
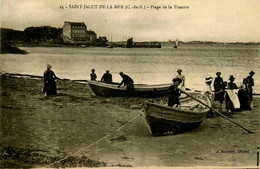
(169, 40)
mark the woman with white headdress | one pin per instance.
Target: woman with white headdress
(182, 77)
(49, 82)
(207, 88)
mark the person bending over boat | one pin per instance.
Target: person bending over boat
(175, 93)
(107, 77)
(128, 82)
(93, 75)
(49, 82)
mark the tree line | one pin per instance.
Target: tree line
(44, 34)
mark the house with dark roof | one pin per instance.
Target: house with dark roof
(91, 36)
(76, 33)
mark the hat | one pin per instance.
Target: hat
(49, 66)
(251, 72)
(218, 73)
(176, 80)
(231, 77)
(179, 70)
(208, 79)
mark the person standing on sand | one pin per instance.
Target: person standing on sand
(107, 77)
(182, 77)
(175, 93)
(128, 82)
(93, 75)
(207, 91)
(231, 84)
(207, 88)
(243, 96)
(218, 85)
(49, 82)
(232, 101)
(250, 85)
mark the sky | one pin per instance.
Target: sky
(205, 20)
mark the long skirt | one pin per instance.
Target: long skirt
(50, 88)
(219, 96)
(244, 100)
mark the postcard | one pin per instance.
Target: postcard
(127, 83)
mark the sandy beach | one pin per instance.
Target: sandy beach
(78, 129)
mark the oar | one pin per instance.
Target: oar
(216, 111)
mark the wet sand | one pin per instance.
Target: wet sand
(67, 131)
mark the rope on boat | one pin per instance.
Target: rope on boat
(96, 141)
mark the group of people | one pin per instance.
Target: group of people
(51, 89)
(107, 78)
(178, 82)
(237, 97)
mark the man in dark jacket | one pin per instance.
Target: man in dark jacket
(107, 77)
(218, 85)
(93, 75)
(128, 82)
(250, 85)
(174, 93)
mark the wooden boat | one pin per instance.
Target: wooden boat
(162, 119)
(141, 90)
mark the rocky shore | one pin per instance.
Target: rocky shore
(5, 49)
(78, 129)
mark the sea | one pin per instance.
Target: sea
(144, 65)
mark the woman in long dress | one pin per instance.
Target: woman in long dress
(49, 82)
(243, 96)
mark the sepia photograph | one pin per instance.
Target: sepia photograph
(129, 83)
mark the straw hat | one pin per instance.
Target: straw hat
(179, 70)
(251, 72)
(218, 73)
(231, 77)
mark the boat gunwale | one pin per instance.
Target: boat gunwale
(178, 109)
(136, 86)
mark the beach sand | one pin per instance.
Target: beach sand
(78, 129)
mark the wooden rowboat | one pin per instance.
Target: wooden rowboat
(162, 119)
(141, 90)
